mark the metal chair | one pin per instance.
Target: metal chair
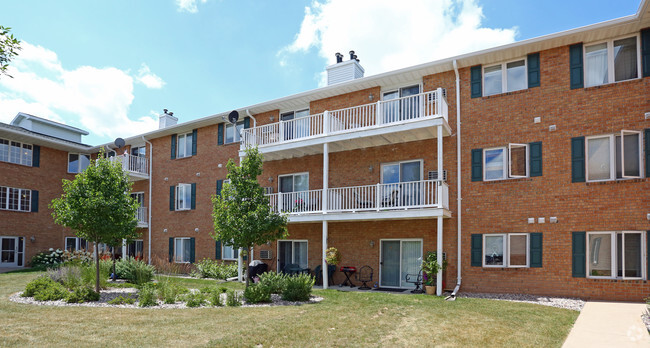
(415, 279)
(362, 203)
(364, 275)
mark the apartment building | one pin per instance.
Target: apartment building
(523, 166)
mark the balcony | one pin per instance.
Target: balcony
(415, 199)
(136, 167)
(385, 122)
(141, 216)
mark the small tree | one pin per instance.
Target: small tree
(9, 47)
(97, 205)
(241, 213)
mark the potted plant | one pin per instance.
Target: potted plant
(430, 269)
(332, 256)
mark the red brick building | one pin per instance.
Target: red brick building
(551, 162)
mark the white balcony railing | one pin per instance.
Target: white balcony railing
(141, 216)
(385, 112)
(378, 197)
(133, 164)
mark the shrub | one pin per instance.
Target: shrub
(134, 271)
(257, 293)
(88, 274)
(298, 288)
(66, 275)
(195, 299)
(163, 266)
(77, 257)
(215, 298)
(274, 281)
(232, 299)
(223, 289)
(147, 296)
(45, 289)
(37, 285)
(207, 268)
(47, 259)
(82, 294)
(168, 291)
(120, 300)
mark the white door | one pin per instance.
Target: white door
(11, 251)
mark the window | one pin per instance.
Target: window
(230, 253)
(505, 77)
(75, 243)
(182, 250)
(15, 152)
(502, 163)
(297, 185)
(401, 183)
(184, 197)
(613, 156)
(506, 250)
(398, 106)
(233, 132)
(140, 151)
(135, 249)
(611, 61)
(292, 253)
(615, 254)
(15, 199)
(296, 124)
(77, 163)
(184, 148)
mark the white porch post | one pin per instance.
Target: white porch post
(240, 275)
(324, 201)
(439, 219)
(123, 248)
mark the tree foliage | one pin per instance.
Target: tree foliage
(241, 212)
(97, 205)
(9, 47)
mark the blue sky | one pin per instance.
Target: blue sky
(110, 67)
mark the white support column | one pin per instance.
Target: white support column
(325, 270)
(439, 257)
(326, 122)
(240, 274)
(123, 248)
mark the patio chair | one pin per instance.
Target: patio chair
(292, 269)
(415, 279)
(364, 275)
(391, 200)
(362, 203)
(318, 274)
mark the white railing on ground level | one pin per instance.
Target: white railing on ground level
(378, 197)
(133, 164)
(141, 216)
(385, 112)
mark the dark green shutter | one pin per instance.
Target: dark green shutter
(645, 52)
(579, 259)
(171, 249)
(578, 159)
(172, 201)
(192, 252)
(575, 66)
(535, 158)
(34, 201)
(193, 196)
(247, 122)
(647, 152)
(219, 186)
(36, 156)
(536, 250)
(533, 70)
(477, 250)
(476, 81)
(194, 142)
(217, 250)
(173, 146)
(220, 134)
(477, 165)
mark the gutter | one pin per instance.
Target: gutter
(459, 187)
(150, 200)
(251, 116)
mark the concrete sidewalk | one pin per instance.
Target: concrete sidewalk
(609, 324)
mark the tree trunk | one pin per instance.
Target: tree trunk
(96, 268)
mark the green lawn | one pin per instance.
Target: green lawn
(342, 319)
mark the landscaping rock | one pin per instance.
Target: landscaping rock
(559, 302)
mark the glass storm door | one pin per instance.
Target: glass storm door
(399, 258)
(11, 251)
(292, 253)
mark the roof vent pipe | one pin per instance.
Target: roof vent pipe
(339, 57)
(352, 56)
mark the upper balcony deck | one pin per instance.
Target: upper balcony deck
(385, 122)
(136, 167)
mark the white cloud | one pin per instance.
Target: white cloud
(189, 5)
(388, 34)
(149, 79)
(95, 99)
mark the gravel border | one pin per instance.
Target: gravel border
(574, 304)
(111, 293)
(645, 317)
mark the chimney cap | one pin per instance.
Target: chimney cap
(165, 110)
(339, 57)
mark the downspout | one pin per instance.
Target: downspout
(251, 116)
(150, 200)
(459, 192)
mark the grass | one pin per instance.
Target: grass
(342, 319)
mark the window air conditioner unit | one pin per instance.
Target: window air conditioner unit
(433, 175)
(266, 254)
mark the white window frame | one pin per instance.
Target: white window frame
(640, 145)
(20, 193)
(614, 256)
(612, 155)
(505, 163)
(527, 165)
(506, 250)
(186, 205)
(79, 170)
(139, 154)
(611, 74)
(399, 172)
(188, 151)
(77, 243)
(292, 174)
(293, 251)
(181, 250)
(232, 257)
(232, 127)
(504, 76)
(22, 160)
